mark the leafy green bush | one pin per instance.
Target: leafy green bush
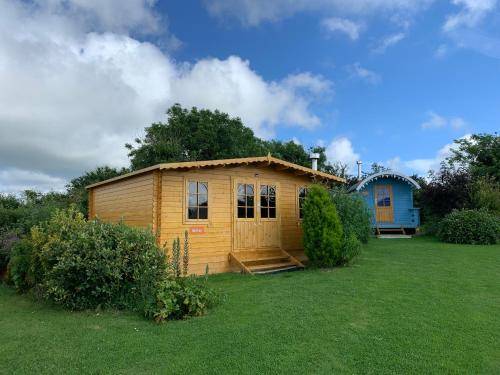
(354, 214)
(486, 194)
(7, 239)
(470, 227)
(351, 248)
(322, 228)
(19, 268)
(84, 264)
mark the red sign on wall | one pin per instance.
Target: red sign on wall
(197, 230)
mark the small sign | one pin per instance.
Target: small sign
(197, 230)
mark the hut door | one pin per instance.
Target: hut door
(256, 215)
(268, 224)
(384, 204)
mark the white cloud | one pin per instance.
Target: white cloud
(341, 150)
(472, 12)
(15, 180)
(356, 71)
(441, 51)
(436, 121)
(389, 41)
(335, 24)
(424, 165)
(71, 97)
(254, 12)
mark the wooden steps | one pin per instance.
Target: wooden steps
(265, 261)
(393, 230)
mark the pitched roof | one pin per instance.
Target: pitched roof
(394, 174)
(259, 160)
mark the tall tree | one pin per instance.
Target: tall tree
(194, 135)
(480, 153)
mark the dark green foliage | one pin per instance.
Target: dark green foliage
(485, 194)
(480, 154)
(351, 248)
(76, 191)
(194, 135)
(19, 269)
(477, 227)
(354, 214)
(322, 228)
(176, 257)
(7, 239)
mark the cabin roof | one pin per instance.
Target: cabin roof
(385, 174)
(262, 161)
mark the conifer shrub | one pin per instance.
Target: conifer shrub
(322, 228)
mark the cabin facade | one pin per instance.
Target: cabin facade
(389, 195)
(241, 214)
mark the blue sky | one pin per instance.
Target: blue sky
(390, 81)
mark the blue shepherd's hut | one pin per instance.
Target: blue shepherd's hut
(389, 195)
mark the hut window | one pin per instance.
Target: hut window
(245, 201)
(302, 197)
(197, 200)
(268, 201)
(383, 197)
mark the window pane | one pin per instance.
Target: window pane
(272, 190)
(203, 200)
(263, 201)
(250, 200)
(241, 200)
(241, 189)
(263, 189)
(192, 213)
(241, 212)
(203, 213)
(272, 213)
(249, 189)
(192, 187)
(250, 212)
(272, 201)
(192, 200)
(202, 188)
(264, 212)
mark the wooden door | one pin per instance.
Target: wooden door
(268, 221)
(256, 215)
(384, 205)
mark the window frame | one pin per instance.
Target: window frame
(235, 198)
(185, 215)
(276, 208)
(297, 200)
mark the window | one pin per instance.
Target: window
(302, 197)
(197, 200)
(245, 201)
(383, 196)
(267, 201)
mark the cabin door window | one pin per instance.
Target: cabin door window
(384, 204)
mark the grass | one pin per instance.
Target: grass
(407, 306)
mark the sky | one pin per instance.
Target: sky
(387, 81)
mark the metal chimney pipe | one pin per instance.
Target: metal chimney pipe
(359, 163)
(314, 160)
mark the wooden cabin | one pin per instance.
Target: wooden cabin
(241, 214)
(389, 195)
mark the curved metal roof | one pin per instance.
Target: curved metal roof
(394, 174)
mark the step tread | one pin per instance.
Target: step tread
(266, 259)
(271, 266)
(275, 270)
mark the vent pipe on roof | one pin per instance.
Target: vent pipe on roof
(359, 163)
(314, 161)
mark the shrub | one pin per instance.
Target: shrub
(351, 248)
(84, 264)
(354, 214)
(322, 228)
(19, 268)
(470, 227)
(7, 239)
(486, 194)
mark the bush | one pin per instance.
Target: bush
(84, 264)
(7, 239)
(19, 268)
(486, 194)
(354, 214)
(322, 228)
(470, 227)
(351, 248)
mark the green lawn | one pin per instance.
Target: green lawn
(407, 306)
